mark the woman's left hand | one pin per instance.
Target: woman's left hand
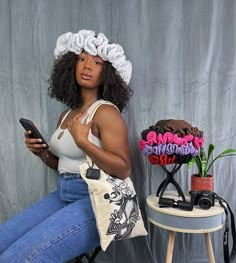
(79, 131)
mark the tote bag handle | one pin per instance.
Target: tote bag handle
(91, 112)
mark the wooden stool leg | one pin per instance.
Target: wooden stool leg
(209, 248)
(170, 247)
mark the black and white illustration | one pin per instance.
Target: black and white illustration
(123, 219)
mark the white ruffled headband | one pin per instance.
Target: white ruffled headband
(95, 46)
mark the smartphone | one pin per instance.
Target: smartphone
(29, 125)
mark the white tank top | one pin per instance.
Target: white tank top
(69, 154)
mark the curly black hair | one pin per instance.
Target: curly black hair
(64, 88)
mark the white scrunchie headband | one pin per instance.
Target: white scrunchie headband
(95, 46)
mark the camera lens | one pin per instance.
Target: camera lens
(204, 203)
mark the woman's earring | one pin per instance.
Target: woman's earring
(75, 84)
(104, 90)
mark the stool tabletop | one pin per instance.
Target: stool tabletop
(196, 221)
(152, 201)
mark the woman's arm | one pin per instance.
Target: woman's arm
(110, 127)
(40, 150)
(49, 159)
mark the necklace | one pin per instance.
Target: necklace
(81, 111)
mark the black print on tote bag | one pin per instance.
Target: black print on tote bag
(122, 220)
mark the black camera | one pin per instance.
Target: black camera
(205, 199)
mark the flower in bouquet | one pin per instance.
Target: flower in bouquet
(171, 142)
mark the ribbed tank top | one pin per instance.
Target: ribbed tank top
(69, 154)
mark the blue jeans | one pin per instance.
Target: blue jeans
(57, 228)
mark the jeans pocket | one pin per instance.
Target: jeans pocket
(72, 188)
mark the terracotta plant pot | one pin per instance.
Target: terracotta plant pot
(202, 183)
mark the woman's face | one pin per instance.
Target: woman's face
(89, 70)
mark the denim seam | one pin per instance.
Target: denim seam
(58, 239)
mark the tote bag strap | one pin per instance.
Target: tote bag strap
(91, 112)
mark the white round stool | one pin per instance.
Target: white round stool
(177, 220)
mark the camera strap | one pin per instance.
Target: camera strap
(228, 257)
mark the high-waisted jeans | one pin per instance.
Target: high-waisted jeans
(57, 228)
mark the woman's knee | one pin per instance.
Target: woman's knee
(57, 239)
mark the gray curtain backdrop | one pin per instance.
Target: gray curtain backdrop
(184, 67)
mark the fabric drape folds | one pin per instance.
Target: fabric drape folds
(184, 67)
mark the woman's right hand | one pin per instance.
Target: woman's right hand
(34, 145)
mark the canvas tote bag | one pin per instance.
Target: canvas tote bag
(114, 200)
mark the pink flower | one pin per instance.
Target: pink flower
(167, 137)
(141, 144)
(159, 138)
(151, 137)
(196, 142)
(201, 142)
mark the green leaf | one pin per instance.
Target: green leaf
(202, 165)
(202, 161)
(191, 162)
(204, 168)
(199, 165)
(225, 153)
(202, 154)
(210, 150)
(228, 151)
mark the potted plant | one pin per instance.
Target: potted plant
(203, 180)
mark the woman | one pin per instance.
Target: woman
(62, 225)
